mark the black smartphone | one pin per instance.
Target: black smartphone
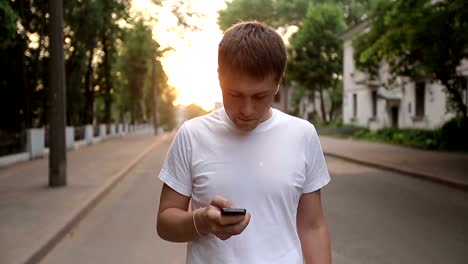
(233, 211)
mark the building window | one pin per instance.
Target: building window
(354, 105)
(374, 103)
(419, 98)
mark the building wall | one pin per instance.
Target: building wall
(435, 113)
(403, 96)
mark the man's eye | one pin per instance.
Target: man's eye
(260, 97)
(235, 95)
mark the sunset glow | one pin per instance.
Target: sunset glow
(191, 65)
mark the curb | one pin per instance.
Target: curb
(424, 176)
(88, 205)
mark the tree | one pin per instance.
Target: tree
(284, 13)
(194, 110)
(135, 68)
(110, 36)
(93, 35)
(8, 20)
(166, 108)
(315, 60)
(420, 39)
(58, 154)
(141, 77)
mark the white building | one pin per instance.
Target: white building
(310, 106)
(406, 104)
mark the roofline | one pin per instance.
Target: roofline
(354, 29)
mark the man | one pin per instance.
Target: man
(251, 156)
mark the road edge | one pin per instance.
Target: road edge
(87, 206)
(407, 172)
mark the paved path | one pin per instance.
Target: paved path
(443, 167)
(122, 228)
(33, 216)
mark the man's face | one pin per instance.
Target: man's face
(247, 101)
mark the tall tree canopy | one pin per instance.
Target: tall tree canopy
(283, 13)
(421, 39)
(93, 37)
(315, 60)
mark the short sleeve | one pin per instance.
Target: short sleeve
(317, 175)
(175, 171)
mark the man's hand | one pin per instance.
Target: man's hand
(210, 221)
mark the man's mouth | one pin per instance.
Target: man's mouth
(246, 119)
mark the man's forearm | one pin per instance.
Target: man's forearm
(315, 244)
(176, 225)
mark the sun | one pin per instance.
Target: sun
(191, 65)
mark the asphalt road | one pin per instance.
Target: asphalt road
(374, 216)
(381, 217)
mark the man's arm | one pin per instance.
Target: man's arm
(313, 230)
(176, 224)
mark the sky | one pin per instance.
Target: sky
(192, 64)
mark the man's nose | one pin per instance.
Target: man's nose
(247, 108)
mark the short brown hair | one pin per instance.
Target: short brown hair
(254, 49)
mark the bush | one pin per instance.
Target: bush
(454, 135)
(418, 138)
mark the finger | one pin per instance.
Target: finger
(229, 220)
(241, 226)
(221, 202)
(236, 229)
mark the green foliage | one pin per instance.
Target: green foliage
(338, 129)
(421, 39)
(93, 35)
(140, 75)
(242, 10)
(166, 108)
(283, 13)
(134, 65)
(316, 51)
(315, 60)
(452, 136)
(275, 13)
(307, 64)
(8, 18)
(423, 139)
(194, 110)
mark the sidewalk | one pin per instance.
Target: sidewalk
(33, 216)
(447, 168)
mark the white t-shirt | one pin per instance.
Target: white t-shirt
(265, 171)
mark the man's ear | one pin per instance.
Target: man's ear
(277, 87)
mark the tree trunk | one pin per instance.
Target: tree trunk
(155, 98)
(89, 91)
(331, 112)
(107, 76)
(58, 154)
(461, 107)
(322, 106)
